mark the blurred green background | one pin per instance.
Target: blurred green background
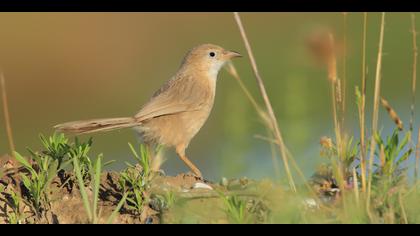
(69, 66)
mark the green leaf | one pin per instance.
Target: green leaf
(97, 181)
(83, 192)
(25, 163)
(134, 151)
(109, 162)
(404, 141)
(22, 161)
(117, 209)
(26, 182)
(52, 172)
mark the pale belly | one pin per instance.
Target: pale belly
(173, 130)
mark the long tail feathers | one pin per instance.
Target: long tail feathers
(96, 125)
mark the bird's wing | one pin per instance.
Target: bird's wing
(177, 95)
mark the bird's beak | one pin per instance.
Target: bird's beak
(231, 54)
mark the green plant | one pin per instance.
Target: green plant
(236, 209)
(392, 155)
(39, 180)
(389, 177)
(80, 152)
(345, 162)
(135, 179)
(14, 202)
(165, 201)
(56, 146)
(57, 154)
(169, 199)
(91, 207)
(83, 167)
(143, 159)
(133, 183)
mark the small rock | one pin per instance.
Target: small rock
(202, 186)
(311, 203)
(149, 220)
(224, 182)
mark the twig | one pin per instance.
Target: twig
(417, 162)
(375, 110)
(344, 84)
(413, 83)
(6, 115)
(263, 115)
(363, 107)
(356, 186)
(294, 164)
(232, 71)
(267, 102)
(403, 211)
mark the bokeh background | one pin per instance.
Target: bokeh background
(69, 66)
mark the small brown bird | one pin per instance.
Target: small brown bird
(177, 111)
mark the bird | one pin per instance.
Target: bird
(177, 110)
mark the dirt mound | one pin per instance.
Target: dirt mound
(66, 204)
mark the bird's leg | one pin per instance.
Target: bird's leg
(180, 150)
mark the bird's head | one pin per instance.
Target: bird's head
(208, 58)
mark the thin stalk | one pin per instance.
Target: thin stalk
(363, 108)
(117, 209)
(356, 187)
(343, 88)
(403, 211)
(413, 95)
(7, 115)
(375, 110)
(338, 135)
(83, 192)
(294, 164)
(263, 115)
(232, 71)
(336, 99)
(414, 78)
(267, 102)
(274, 157)
(416, 168)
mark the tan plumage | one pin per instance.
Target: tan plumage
(177, 111)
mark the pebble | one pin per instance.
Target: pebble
(202, 186)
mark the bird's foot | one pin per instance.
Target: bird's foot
(197, 177)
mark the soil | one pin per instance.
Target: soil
(66, 205)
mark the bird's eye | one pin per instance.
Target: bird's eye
(212, 54)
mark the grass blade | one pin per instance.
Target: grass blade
(83, 192)
(375, 109)
(117, 209)
(273, 119)
(6, 114)
(97, 181)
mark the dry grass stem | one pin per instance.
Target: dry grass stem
(414, 78)
(323, 47)
(417, 162)
(344, 84)
(375, 110)
(362, 116)
(356, 186)
(263, 115)
(273, 119)
(403, 211)
(233, 72)
(7, 115)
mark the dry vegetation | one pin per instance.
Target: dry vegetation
(364, 179)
